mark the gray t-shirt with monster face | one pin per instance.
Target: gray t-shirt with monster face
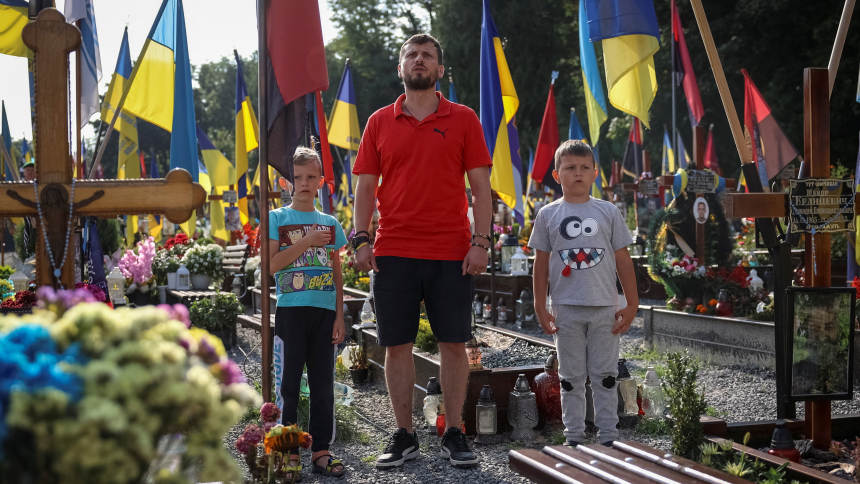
(581, 239)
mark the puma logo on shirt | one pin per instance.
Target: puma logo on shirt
(436, 130)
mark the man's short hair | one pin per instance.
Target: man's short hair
(573, 147)
(421, 39)
(304, 156)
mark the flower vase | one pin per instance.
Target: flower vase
(162, 294)
(139, 298)
(201, 281)
(171, 280)
(225, 336)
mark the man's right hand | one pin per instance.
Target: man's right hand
(364, 259)
(546, 320)
(317, 238)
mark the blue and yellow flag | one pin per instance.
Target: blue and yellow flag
(13, 19)
(128, 165)
(595, 101)
(220, 171)
(452, 93)
(7, 142)
(574, 130)
(683, 156)
(160, 85)
(247, 138)
(668, 154)
(343, 124)
(631, 37)
(499, 104)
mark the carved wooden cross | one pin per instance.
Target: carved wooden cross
(52, 39)
(816, 153)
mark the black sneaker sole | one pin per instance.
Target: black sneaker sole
(459, 463)
(397, 463)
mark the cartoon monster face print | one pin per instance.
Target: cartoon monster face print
(579, 258)
(298, 281)
(572, 227)
(322, 255)
(295, 235)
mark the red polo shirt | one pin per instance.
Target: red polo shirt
(423, 211)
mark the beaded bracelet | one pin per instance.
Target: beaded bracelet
(481, 246)
(482, 236)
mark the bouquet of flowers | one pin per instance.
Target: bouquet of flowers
(265, 443)
(249, 235)
(21, 300)
(87, 395)
(352, 277)
(137, 268)
(204, 259)
(164, 263)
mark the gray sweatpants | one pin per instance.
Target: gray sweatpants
(587, 347)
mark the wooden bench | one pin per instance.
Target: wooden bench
(233, 266)
(624, 463)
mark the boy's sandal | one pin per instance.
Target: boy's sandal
(329, 469)
(290, 471)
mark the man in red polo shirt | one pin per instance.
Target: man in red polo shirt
(422, 146)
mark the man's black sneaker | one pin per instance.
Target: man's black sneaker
(401, 447)
(456, 449)
(570, 443)
(608, 443)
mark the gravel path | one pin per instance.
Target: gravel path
(736, 394)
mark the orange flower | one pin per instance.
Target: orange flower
(702, 309)
(712, 302)
(282, 438)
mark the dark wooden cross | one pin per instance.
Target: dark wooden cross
(52, 39)
(767, 206)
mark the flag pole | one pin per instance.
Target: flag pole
(674, 141)
(841, 33)
(726, 96)
(80, 168)
(263, 105)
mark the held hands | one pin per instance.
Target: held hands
(364, 259)
(317, 238)
(623, 319)
(546, 320)
(475, 261)
(338, 333)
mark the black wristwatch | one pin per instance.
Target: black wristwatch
(359, 240)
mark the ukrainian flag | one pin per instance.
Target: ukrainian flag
(597, 188)
(127, 162)
(683, 156)
(452, 93)
(343, 124)
(160, 86)
(499, 104)
(13, 18)
(668, 155)
(595, 101)
(247, 138)
(574, 130)
(6, 135)
(220, 171)
(26, 151)
(630, 35)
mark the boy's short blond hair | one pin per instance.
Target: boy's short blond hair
(573, 147)
(304, 156)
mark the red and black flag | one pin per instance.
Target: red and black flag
(632, 164)
(682, 68)
(771, 149)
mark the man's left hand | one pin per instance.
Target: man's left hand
(475, 261)
(623, 319)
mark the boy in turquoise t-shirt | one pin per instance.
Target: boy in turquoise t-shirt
(309, 324)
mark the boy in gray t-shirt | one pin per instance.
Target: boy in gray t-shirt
(581, 243)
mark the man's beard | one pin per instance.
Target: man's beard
(420, 83)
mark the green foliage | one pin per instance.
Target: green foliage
(346, 422)
(723, 457)
(204, 241)
(30, 250)
(713, 412)
(110, 235)
(653, 427)
(426, 340)
(218, 315)
(163, 263)
(6, 272)
(341, 373)
(686, 404)
(630, 219)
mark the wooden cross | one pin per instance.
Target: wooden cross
(52, 39)
(816, 153)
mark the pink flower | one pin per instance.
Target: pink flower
(253, 434)
(243, 446)
(268, 426)
(139, 266)
(177, 312)
(270, 412)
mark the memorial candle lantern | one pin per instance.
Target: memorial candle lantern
(432, 404)
(547, 389)
(756, 282)
(488, 309)
(487, 414)
(116, 286)
(526, 307)
(782, 445)
(522, 410)
(653, 401)
(473, 352)
(478, 309)
(183, 278)
(724, 306)
(519, 263)
(503, 311)
(20, 281)
(627, 391)
(509, 248)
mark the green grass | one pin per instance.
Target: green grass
(712, 412)
(369, 459)
(557, 437)
(653, 427)
(515, 445)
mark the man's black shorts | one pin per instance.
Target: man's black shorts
(400, 286)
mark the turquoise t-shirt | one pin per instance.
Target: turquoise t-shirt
(309, 280)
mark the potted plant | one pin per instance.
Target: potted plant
(163, 265)
(137, 269)
(358, 368)
(204, 263)
(217, 315)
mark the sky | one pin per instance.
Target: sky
(214, 27)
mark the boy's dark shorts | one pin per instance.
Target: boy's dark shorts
(400, 286)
